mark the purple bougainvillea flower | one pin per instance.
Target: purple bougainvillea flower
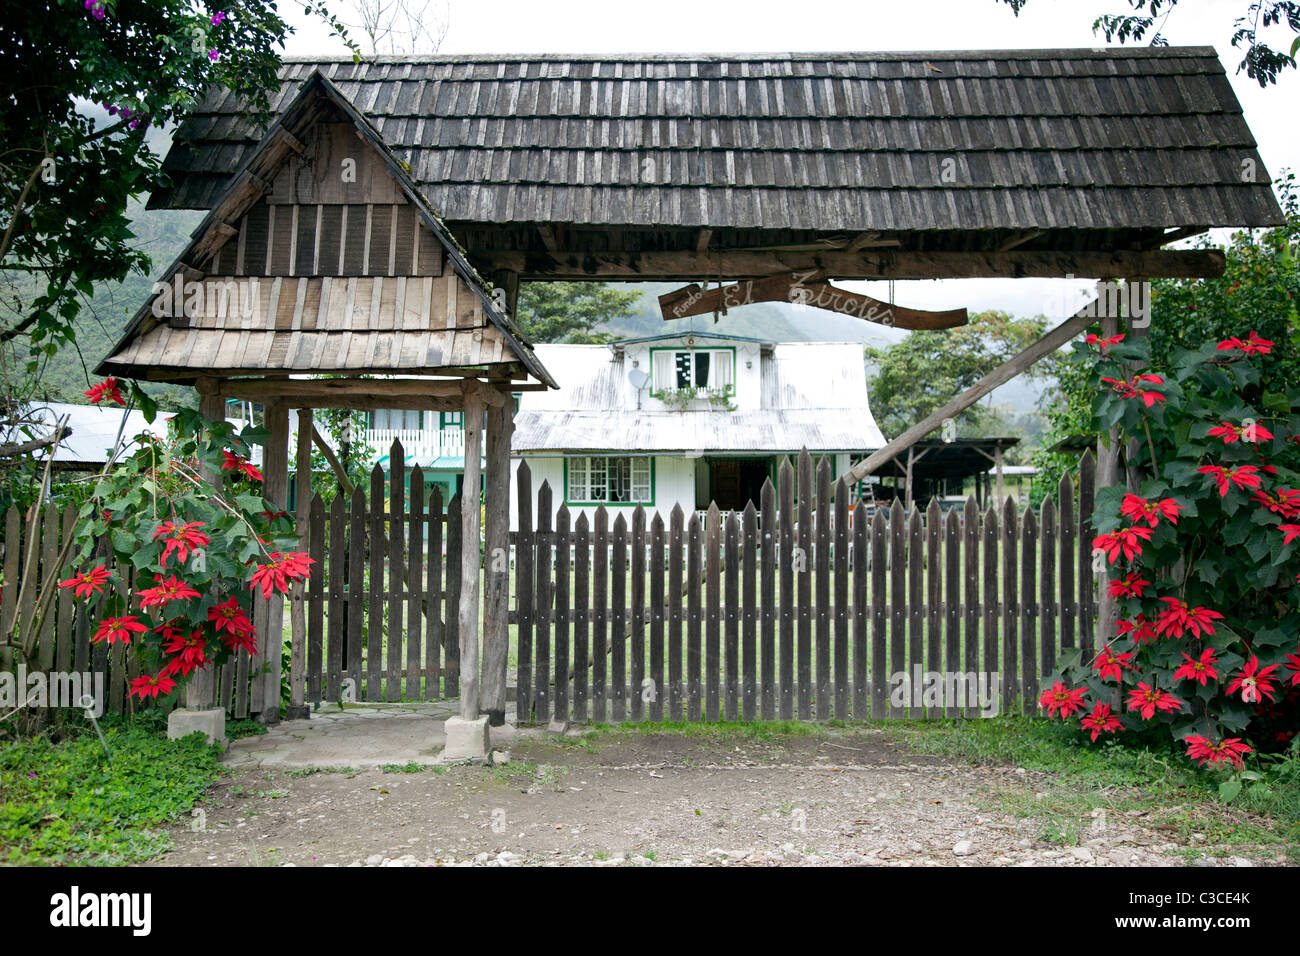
(213, 54)
(96, 8)
(217, 18)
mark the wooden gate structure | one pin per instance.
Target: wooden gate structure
(1057, 163)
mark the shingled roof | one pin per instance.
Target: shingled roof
(1082, 149)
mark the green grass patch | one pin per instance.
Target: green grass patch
(65, 803)
(244, 728)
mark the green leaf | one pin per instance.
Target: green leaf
(1229, 790)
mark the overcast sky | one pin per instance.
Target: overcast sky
(815, 26)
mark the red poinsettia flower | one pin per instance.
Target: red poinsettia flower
(1178, 618)
(1140, 629)
(114, 629)
(1231, 433)
(181, 539)
(237, 639)
(281, 569)
(1133, 388)
(1283, 501)
(230, 617)
(1122, 542)
(1139, 509)
(1203, 751)
(1131, 585)
(107, 390)
(1225, 478)
(1289, 532)
(1060, 699)
(1146, 700)
(1110, 665)
(87, 582)
(240, 464)
(1293, 665)
(1254, 345)
(172, 589)
(1104, 343)
(1100, 721)
(146, 686)
(1255, 684)
(1199, 670)
(188, 648)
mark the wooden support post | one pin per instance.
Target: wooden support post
(275, 469)
(200, 692)
(496, 604)
(1107, 475)
(467, 616)
(298, 708)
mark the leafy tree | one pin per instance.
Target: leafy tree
(927, 369)
(571, 311)
(1261, 62)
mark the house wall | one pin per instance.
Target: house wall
(673, 484)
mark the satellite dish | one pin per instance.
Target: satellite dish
(638, 378)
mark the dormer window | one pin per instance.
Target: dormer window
(701, 369)
(395, 419)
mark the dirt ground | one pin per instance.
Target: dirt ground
(644, 799)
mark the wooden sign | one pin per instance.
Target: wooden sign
(803, 288)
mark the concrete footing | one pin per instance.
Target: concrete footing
(467, 740)
(211, 723)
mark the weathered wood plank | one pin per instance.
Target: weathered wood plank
(879, 620)
(375, 603)
(525, 547)
(934, 593)
(1066, 532)
(561, 702)
(915, 608)
(952, 603)
(396, 557)
(1010, 606)
(352, 603)
(657, 619)
(694, 578)
(992, 650)
(822, 529)
(433, 589)
(618, 626)
(637, 643)
(731, 625)
(600, 630)
(9, 586)
(897, 599)
(451, 625)
(1087, 580)
(785, 485)
(414, 583)
(1028, 682)
(861, 614)
(749, 610)
(675, 594)
(581, 615)
(842, 611)
(542, 607)
(1047, 590)
(767, 589)
(713, 612)
(496, 584)
(316, 600)
(64, 607)
(804, 568)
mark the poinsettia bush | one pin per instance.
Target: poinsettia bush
(169, 561)
(1201, 558)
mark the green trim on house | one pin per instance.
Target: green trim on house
(611, 504)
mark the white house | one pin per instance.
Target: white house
(684, 419)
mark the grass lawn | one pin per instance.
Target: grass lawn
(66, 803)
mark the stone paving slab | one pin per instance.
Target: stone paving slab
(357, 735)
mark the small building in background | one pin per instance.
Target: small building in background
(685, 419)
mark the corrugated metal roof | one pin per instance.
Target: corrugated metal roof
(813, 395)
(1115, 138)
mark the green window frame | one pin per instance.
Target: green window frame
(588, 480)
(665, 362)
